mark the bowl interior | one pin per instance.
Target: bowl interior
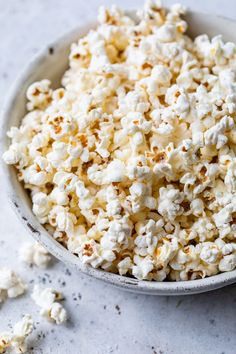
(51, 64)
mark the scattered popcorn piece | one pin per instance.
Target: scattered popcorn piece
(21, 331)
(5, 342)
(11, 285)
(131, 163)
(35, 254)
(58, 313)
(47, 299)
(17, 339)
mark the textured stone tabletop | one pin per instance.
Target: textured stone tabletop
(102, 319)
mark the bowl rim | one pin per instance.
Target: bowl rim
(41, 235)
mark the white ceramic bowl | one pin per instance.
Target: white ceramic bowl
(51, 64)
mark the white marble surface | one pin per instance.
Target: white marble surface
(102, 319)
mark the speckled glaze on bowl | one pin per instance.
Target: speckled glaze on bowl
(51, 64)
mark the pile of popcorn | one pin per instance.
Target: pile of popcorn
(131, 164)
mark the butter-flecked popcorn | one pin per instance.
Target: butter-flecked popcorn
(131, 163)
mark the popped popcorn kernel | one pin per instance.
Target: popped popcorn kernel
(17, 338)
(11, 285)
(35, 254)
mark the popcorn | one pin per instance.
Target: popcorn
(58, 154)
(59, 197)
(21, 331)
(13, 155)
(5, 342)
(227, 263)
(117, 236)
(230, 177)
(17, 339)
(209, 252)
(142, 267)
(39, 95)
(115, 172)
(59, 125)
(131, 164)
(124, 266)
(41, 206)
(47, 299)
(11, 285)
(145, 244)
(65, 181)
(169, 202)
(35, 254)
(214, 136)
(203, 228)
(58, 313)
(88, 252)
(159, 80)
(165, 253)
(39, 173)
(65, 220)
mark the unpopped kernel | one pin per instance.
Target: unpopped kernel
(131, 163)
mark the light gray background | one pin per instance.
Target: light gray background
(102, 319)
